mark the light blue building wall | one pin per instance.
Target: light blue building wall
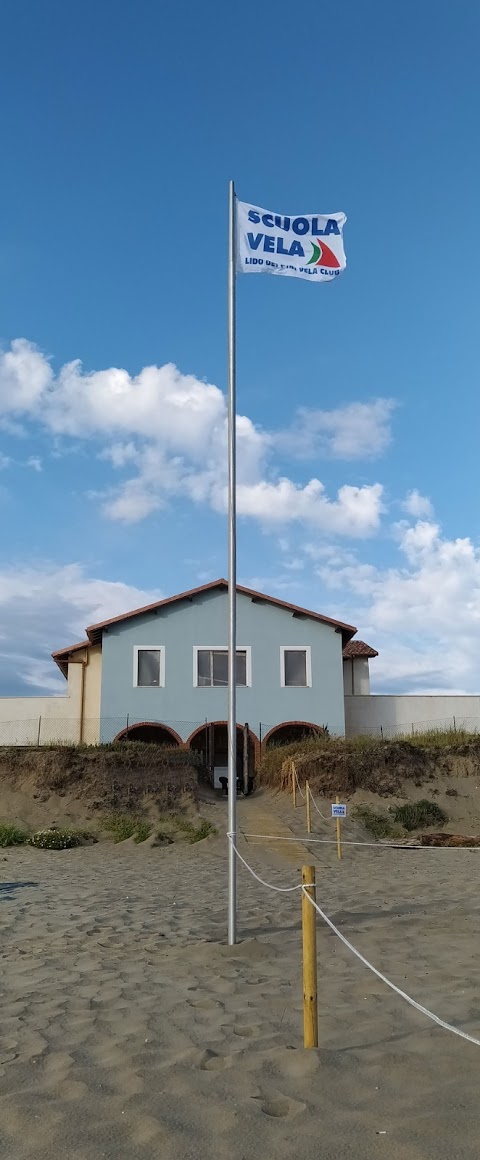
(202, 621)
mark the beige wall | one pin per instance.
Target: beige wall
(28, 720)
(86, 665)
(46, 720)
(356, 676)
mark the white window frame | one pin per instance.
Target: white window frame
(306, 648)
(138, 648)
(246, 648)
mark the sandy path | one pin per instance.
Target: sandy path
(129, 1030)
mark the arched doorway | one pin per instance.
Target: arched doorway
(291, 732)
(152, 732)
(210, 741)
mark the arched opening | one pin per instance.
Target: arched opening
(210, 741)
(292, 732)
(152, 732)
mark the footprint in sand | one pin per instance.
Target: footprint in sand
(210, 1061)
(278, 1107)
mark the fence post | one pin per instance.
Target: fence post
(307, 803)
(39, 730)
(246, 734)
(381, 732)
(454, 725)
(339, 834)
(294, 785)
(309, 939)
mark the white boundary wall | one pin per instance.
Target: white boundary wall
(34, 720)
(409, 714)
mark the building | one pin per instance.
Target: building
(160, 673)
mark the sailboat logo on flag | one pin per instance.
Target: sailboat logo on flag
(309, 246)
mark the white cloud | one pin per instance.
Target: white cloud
(356, 511)
(423, 615)
(4, 462)
(354, 431)
(49, 607)
(417, 505)
(170, 430)
(25, 374)
(35, 463)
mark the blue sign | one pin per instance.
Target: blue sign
(339, 811)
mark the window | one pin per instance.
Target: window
(149, 666)
(295, 667)
(210, 667)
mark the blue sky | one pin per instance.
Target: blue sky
(121, 129)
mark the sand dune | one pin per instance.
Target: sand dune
(129, 1030)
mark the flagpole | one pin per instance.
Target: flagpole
(232, 578)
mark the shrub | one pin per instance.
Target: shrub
(120, 826)
(415, 815)
(12, 835)
(193, 833)
(204, 830)
(142, 832)
(379, 824)
(123, 826)
(56, 839)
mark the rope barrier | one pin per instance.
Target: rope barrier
(303, 795)
(300, 790)
(317, 809)
(279, 889)
(412, 1002)
(393, 987)
(307, 840)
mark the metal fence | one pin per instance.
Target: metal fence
(45, 730)
(407, 730)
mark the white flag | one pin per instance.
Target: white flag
(309, 246)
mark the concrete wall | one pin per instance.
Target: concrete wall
(356, 676)
(393, 715)
(203, 621)
(30, 720)
(86, 666)
(46, 720)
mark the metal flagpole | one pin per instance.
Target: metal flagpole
(232, 579)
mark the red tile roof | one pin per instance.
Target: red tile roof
(358, 648)
(95, 631)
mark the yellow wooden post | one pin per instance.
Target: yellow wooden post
(307, 803)
(339, 834)
(294, 785)
(309, 936)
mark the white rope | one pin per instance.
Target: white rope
(349, 945)
(302, 794)
(279, 889)
(317, 809)
(412, 1002)
(308, 840)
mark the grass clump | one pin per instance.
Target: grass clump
(123, 826)
(56, 839)
(193, 833)
(416, 815)
(378, 823)
(12, 835)
(203, 830)
(142, 832)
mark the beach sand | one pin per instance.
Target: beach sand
(130, 1030)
